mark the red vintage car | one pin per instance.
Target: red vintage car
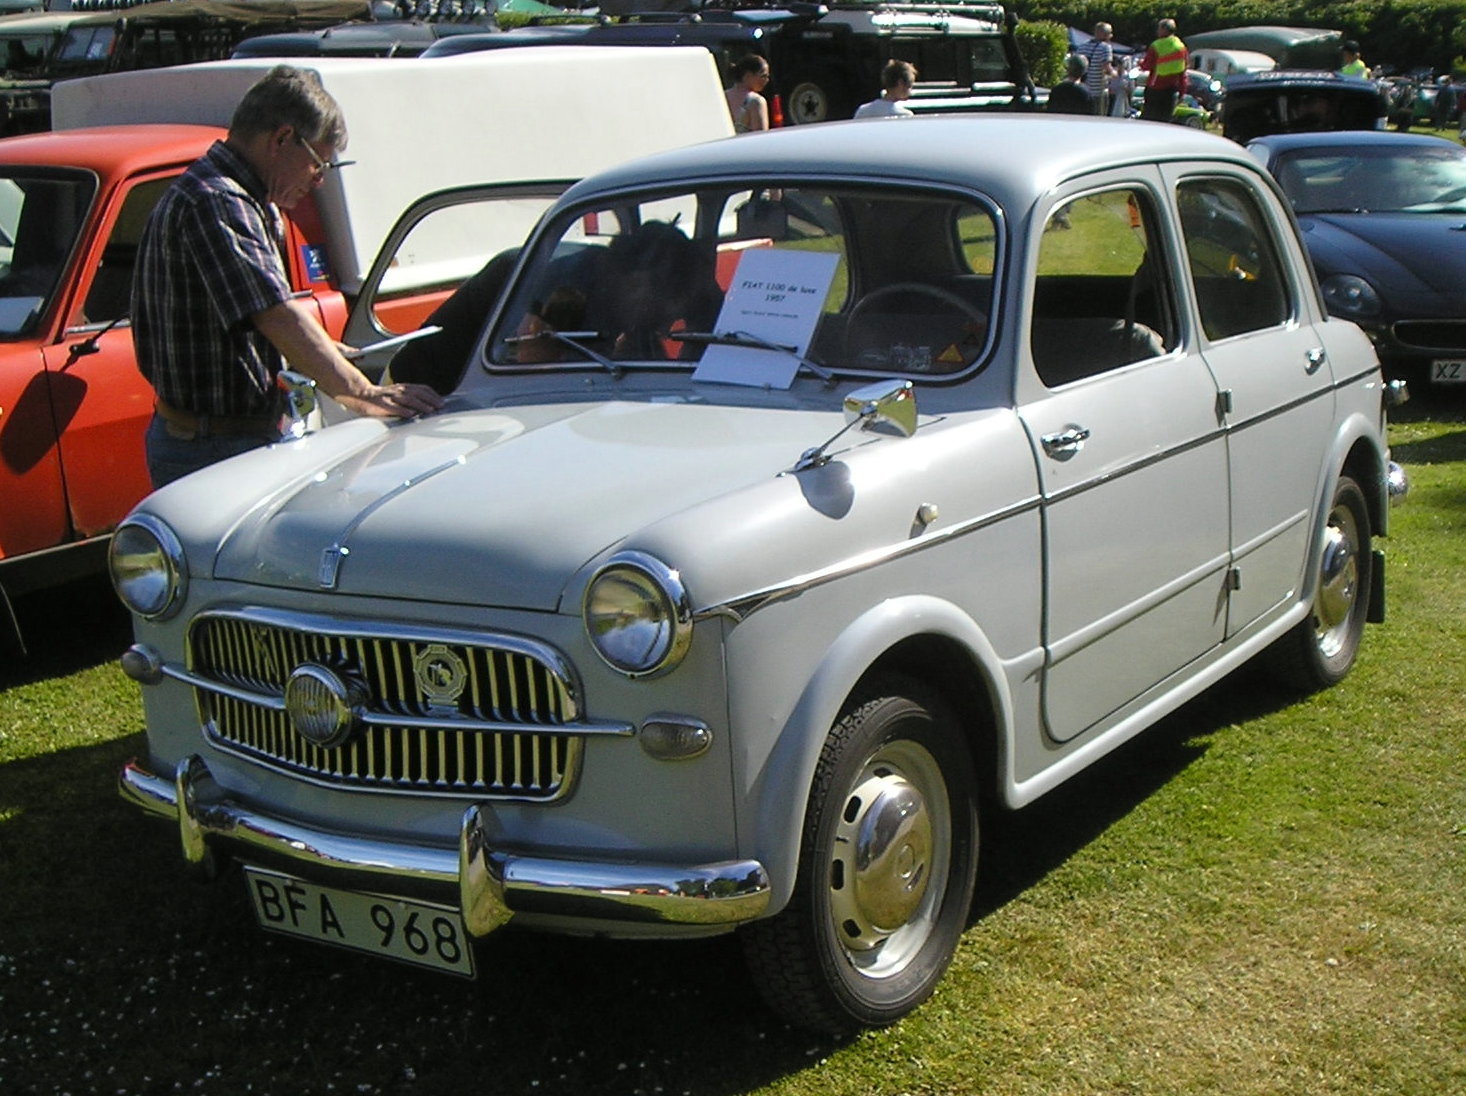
(72, 403)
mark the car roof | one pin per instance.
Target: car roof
(1013, 157)
(1349, 138)
(1298, 78)
(110, 149)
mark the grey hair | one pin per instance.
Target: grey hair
(288, 96)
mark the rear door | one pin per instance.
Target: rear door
(1248, 278)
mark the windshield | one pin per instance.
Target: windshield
(40, 220)
(1409, 179)
(24, 55)
(757, 284)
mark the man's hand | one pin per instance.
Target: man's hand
(401, 401)
(292, 326)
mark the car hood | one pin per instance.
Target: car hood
(503, 507)
(1403, 255)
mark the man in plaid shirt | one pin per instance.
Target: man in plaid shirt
(214, 316)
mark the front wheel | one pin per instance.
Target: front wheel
(1321, 649)
(886, 870)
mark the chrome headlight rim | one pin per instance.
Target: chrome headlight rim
(174, 567)
(664, 585)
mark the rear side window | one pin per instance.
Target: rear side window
(1234, 259)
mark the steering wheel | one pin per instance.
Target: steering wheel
(949, 301)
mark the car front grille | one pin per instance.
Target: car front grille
(1432, 336)
(445, 713)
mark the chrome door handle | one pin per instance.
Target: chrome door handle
(1066, 442)
(1316, 357)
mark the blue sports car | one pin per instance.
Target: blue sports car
(1384, 218)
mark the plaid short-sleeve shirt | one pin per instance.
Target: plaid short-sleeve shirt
(209, 259)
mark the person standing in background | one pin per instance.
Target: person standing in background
(1353, 64)
(750, 110)
(897, 80)
(1099, 54)
(1165, 61)
(1071, 94)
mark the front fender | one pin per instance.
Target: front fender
(778, 789)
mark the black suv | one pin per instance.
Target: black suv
(826, 58)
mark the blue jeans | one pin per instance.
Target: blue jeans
(171, 458)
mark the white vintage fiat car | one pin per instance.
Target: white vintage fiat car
(797, 494)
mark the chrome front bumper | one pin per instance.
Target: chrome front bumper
(490, 885)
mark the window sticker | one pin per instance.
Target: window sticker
(776, 297)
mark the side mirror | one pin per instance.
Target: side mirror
(886, 403)
(890, 404)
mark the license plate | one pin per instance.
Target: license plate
(419, 933)
(1448, 371)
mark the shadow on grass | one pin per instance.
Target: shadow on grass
(66, 629)
(1020, 848)
(133, 977)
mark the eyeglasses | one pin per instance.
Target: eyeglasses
(322, 166)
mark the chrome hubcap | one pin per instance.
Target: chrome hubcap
(1338, 586)
(890, 859)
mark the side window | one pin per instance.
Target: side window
(111, 290)
(1100, 296)
(1235, 268)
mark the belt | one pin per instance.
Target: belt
(186, 425)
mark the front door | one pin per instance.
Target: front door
(1132, 461)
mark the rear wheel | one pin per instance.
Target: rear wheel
(1321, 650)
(886, 870)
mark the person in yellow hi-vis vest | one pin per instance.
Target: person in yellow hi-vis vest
(1165, 62)
(1353, 64)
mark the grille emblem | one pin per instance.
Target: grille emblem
(440, 675)
(323, 707)
(264, 654)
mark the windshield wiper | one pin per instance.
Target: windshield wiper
(572, 340)
(745, 338)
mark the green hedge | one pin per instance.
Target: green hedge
(1400, 35)
(1043, 44)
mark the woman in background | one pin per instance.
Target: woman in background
(750, 110)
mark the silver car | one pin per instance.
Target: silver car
(800, 493)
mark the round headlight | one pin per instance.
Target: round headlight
(637, 615)
(147, 567)
(1350, 297)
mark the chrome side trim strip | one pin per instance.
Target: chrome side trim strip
(739, 608)
(491, 885)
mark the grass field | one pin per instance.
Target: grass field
(1261, 896)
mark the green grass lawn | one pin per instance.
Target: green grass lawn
(1263, 895)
